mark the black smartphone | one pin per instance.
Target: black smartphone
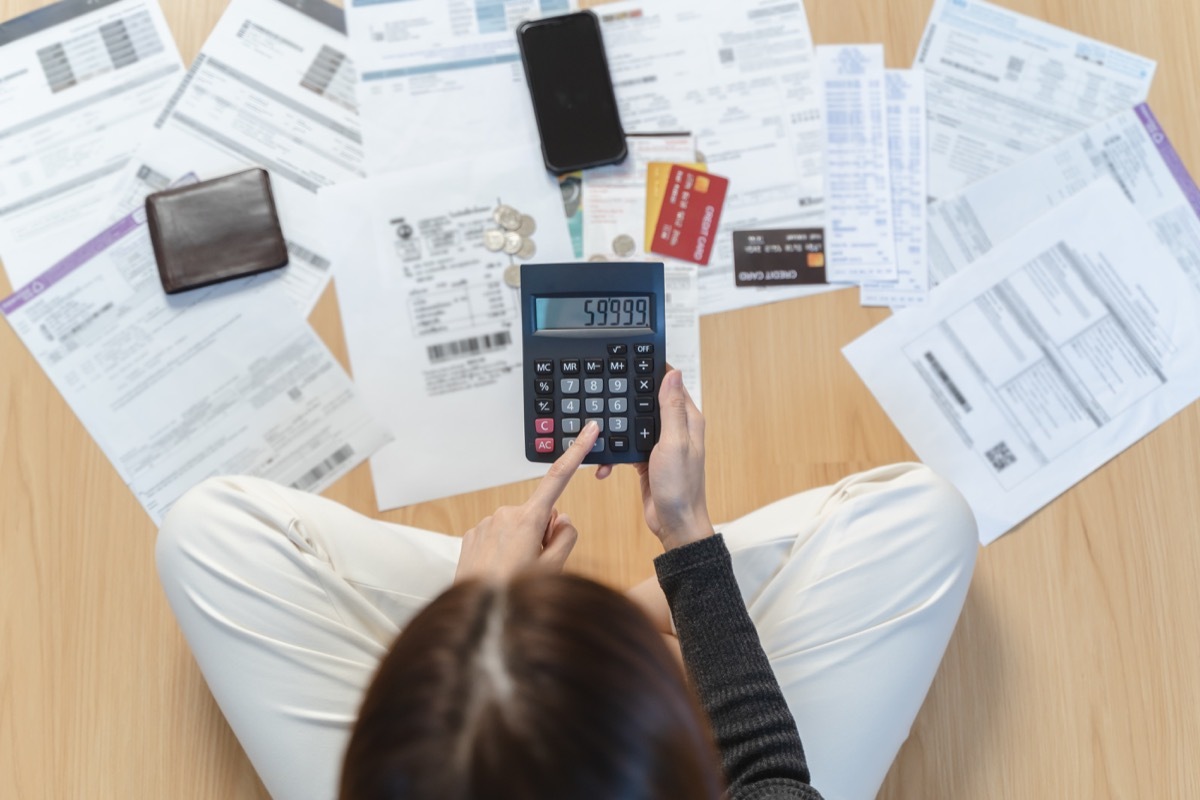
(573, 98)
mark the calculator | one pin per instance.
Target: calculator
(594, 349)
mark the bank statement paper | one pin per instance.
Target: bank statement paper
(224, 380)
(1002, 86)
(1047, 357)
(80, 84)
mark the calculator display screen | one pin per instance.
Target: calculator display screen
(593, 312)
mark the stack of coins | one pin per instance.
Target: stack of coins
(514, 236)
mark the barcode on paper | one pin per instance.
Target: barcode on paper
(1001, 457)
(304, 254)
(463, 348)
(310, 478)
(944, 377)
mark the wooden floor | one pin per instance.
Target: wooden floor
(1074, 673)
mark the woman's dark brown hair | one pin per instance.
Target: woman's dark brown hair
(550, 687)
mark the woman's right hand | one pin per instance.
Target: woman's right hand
(673, 497)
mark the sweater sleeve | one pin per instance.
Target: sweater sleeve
(760, 747)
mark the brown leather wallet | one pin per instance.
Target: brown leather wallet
(215, 231)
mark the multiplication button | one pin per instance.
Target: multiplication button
(644, 385)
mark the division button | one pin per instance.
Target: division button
(544, 425)
(618, 349)
(544, 444)
(643, 366)
(543, 366)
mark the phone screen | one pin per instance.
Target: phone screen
(572, 92)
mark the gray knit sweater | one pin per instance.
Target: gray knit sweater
(760, 746)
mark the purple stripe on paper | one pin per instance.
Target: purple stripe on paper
(1169, 156)
(77, 259)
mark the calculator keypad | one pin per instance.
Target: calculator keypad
(599, 389)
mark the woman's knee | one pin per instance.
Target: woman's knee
(199, 527)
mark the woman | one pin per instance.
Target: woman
(835, 607)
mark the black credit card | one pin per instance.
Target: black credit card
(785, 257)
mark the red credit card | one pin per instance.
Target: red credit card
(690, 214)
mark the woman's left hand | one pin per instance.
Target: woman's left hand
(531, 535)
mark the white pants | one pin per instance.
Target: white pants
(289, 601)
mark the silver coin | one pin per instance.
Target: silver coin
(528, 248)
(598, 257)
(512, 276)
(528, 225)
(624, 245)
(513, 242)
(508, 217)
(493, 239)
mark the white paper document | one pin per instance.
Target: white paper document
(859, 238)
(80, 84)
(907, 151)
(433, 330)
(1003, 86)
(442, 79)
(1130, 148)
(272, 88)
(741, 78)
(175, 389)
(1049, 356)
(614, 221)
